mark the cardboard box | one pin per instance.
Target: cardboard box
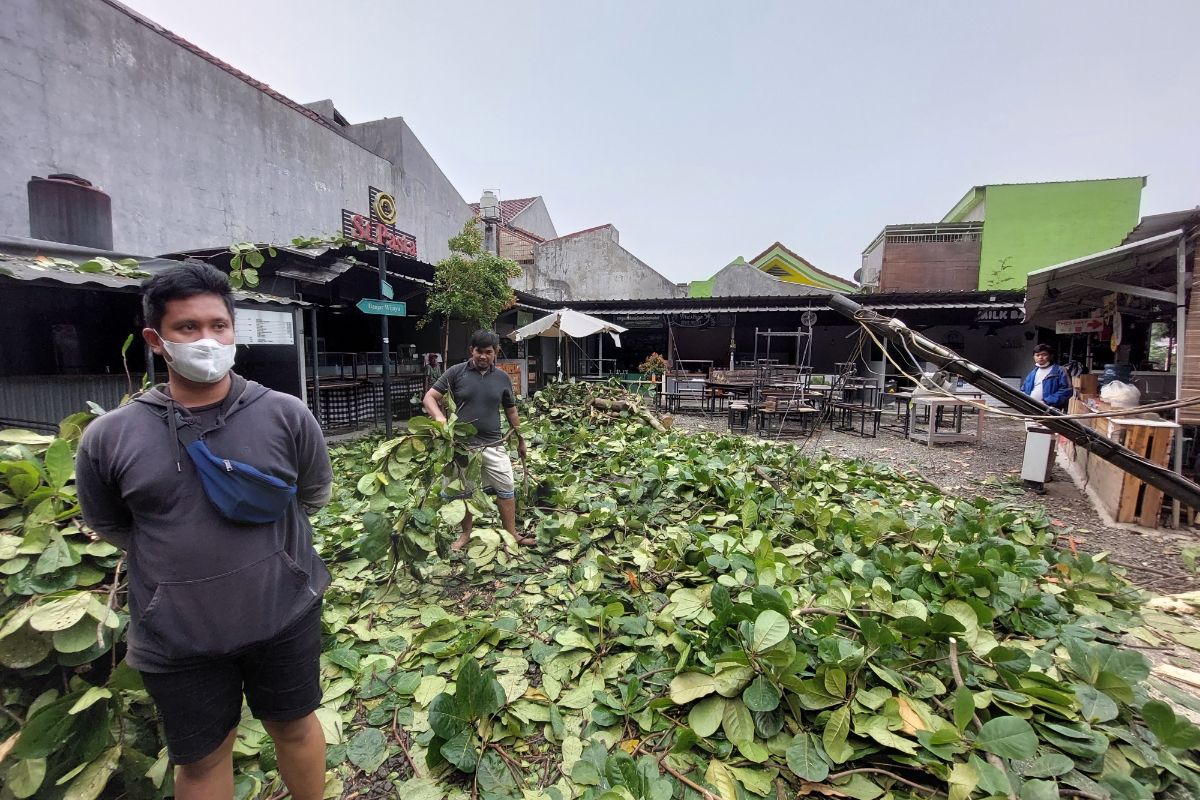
(1088, 384)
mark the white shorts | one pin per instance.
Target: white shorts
(498, 471)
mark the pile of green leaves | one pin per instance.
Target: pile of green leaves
(704, 617)
(421, 487)
(714, 616)
(76, 716)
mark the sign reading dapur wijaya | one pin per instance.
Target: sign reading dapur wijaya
(378, 227)
(387, 308)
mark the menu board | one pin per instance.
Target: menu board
(252, 326)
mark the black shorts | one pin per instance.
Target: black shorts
(280, 678)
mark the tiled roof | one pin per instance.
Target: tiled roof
(509, 208)
(210, 58)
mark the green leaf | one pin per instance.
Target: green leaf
(964, 708)
(1094, 705)
(963, 780)
(420, 789)
(1039, 790)
(731, 679)
(453, 512)
(46, 729)
(804, 759)
(90, 697)
(689, 686)
(770, 628)
(445, 717)
(1008, 737)
(737, 723)
(23, 649)
(60, 465)
(705, 717)
(479, 694)
(461, 751)
(494, 778)
(837, 730)
(1171, 731)
(720, 777)
(761, 695)
(91, 782)
(368, 749)
(368, 484)
(1050, 765)
(25, 777)
(755, 781)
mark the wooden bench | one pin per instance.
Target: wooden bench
(847, 412)
(773, 417)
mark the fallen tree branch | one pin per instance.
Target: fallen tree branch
(679, 776)
(633, 408)
(992, 758)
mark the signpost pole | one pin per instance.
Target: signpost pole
(387, 360)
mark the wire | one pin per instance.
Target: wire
(984, 407)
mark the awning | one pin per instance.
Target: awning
(1066, 289)
(39, 270)
(717, 308)
(568, 323)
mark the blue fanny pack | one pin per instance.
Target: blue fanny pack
(241, 492)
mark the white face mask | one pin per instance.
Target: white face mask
(202, 361)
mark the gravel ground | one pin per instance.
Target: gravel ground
(1152, 558)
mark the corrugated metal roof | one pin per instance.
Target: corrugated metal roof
(1157, 224)
(26, 268)
(887, 300)
(1055, 290)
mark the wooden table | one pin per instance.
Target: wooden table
(936, 404)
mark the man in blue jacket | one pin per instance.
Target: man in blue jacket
(1048, 381)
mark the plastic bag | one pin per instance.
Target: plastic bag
(1121, 395)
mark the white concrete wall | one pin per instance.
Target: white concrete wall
(536, 219)
(743, 280)
(592, 266)
(191, 155)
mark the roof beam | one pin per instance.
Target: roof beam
(1125, 288)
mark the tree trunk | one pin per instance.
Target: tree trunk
(446, 344)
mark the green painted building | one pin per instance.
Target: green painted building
(1027, 226)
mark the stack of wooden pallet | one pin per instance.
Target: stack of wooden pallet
(1125, 497)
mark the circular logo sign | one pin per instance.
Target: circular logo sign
(385, 208)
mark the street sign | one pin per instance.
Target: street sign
(387, 308)
(388, 291)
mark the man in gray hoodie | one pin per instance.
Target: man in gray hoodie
(218, 608)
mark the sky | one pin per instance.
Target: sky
(709, 130)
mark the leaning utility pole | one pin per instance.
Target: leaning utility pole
(1157, 476)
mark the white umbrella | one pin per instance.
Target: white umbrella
(575, 325)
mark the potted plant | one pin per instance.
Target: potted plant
(654, 365)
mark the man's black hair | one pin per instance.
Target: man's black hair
(1045, 348)
(187, 280)
(485, 338)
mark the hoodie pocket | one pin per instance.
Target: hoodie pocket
(227, 613)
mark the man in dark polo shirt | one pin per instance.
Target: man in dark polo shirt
(480, 390)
